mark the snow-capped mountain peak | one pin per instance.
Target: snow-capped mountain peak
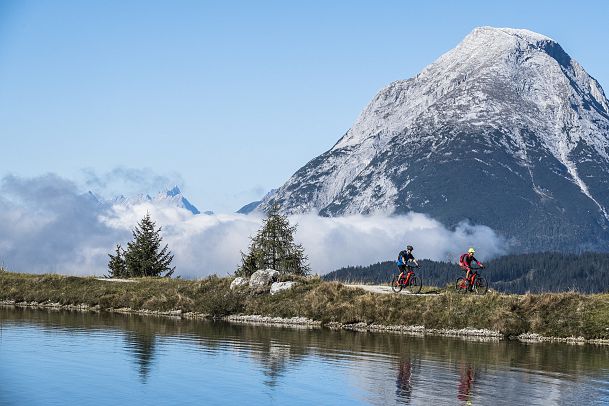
(169, 197)
(506, 109)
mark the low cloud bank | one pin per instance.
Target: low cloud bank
(48, 225)
(362, 240)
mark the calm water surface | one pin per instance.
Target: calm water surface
(73, 358)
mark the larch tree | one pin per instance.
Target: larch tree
(274, 247)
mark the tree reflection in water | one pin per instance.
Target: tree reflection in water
(142, 346)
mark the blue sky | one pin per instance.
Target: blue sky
(227, 98)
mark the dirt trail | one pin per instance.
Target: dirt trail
(116, 280)
(386, 289)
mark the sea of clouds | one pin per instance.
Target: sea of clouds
(49, 224)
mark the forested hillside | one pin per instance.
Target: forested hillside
(537, 272)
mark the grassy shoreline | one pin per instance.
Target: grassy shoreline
(562, 316)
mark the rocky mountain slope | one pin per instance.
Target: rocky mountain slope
(505, 130)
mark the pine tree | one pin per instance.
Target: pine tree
(117, 265)
(144, 256)
(273, 247)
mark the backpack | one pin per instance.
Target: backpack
(462, 259)
(400, 260)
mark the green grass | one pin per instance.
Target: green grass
(553, 314)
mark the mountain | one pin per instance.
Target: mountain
(505, 130)
(250, 207)
(172, 197)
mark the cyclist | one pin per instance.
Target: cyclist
(403, 258)
(465, 262)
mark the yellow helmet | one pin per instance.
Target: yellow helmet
(471, 250)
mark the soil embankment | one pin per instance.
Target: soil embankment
(563, 316)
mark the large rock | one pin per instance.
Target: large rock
(277, 287)
(263, 278)
(239, 282)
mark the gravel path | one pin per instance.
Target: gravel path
(116, 280)
(386, 289)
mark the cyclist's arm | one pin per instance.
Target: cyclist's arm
(415, 262)
(480, 264)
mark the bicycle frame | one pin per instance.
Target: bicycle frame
(404, 280)
(407, 279)
(472, 283)
(474, 275)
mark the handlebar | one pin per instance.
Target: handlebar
(477, 268)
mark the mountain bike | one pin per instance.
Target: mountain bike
(409, 281)
(477, 283)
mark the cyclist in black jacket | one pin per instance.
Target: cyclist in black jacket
(403, 257)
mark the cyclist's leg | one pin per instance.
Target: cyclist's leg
(468, 277)
(466, 269)
(408, 274)
(402, 269)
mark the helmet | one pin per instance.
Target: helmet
(471, 250)
(409, 248)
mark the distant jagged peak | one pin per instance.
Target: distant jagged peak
(171, 196)
(174, 191)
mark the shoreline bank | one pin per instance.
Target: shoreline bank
(470, 334)
(557, 317)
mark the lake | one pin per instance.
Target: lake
(51, 357)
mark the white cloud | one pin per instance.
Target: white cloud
(48, 225)
(202, 244)
(361, 240)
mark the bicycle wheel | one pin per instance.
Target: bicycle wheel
(396, 285)
(461, 285)
(480, 286)
(414, 284)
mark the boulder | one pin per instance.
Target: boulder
(239, 282)
(263, 278)
(277, 287)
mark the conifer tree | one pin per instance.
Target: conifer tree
(273, 247)
(144, 255)
(117, 265)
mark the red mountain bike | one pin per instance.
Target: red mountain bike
(477, 283)
(409, 281)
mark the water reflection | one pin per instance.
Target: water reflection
(466, 382)
(404, 382)
(142, 346)
(275, 364)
